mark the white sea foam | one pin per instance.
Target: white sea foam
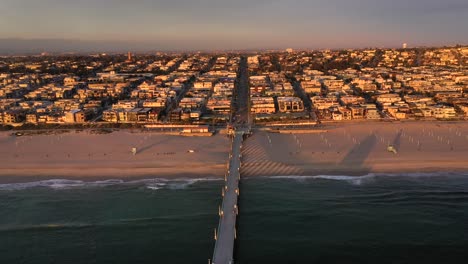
(156, 186)
(172, 184)
(183, 184)
(63, 184)
(352, 179)
(53, 184)
(371, 176)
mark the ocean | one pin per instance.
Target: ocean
(413, 218)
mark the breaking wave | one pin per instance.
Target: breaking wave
(351, 179)
(369, 177)
(63, 184)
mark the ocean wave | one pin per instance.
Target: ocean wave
(172, 184)
(155, 187)
(351, 179)
(371, 176)
(64, 184)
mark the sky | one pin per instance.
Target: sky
(233, 24)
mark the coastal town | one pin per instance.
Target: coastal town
(197, 89)
(222, 132)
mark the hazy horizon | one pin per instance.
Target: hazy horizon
(147, 25)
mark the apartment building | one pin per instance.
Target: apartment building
(290, 104)
(263, 105)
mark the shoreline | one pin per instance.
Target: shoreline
(100, 174)
(187, 177)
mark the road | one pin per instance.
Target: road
(241, 99)
(304, 97)
(175, 103)
(185, 89)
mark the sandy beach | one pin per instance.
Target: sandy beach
(344, 149)
(359, 149)
(83, 155)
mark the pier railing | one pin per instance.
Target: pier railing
(225, 234)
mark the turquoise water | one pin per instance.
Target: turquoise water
(337, 219)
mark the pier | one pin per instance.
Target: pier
(226, 233)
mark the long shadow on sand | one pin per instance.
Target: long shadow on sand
(397, 141)
(358, 154)
(148, 147)
(354, 161)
